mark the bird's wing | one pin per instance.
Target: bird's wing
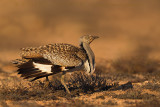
(48, 60)
(34, 54)
(62, 54)
(57, 54)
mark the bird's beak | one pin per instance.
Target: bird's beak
(96, 37)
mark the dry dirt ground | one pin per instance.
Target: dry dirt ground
(127, 52)
(107, 86)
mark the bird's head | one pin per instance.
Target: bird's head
(87, 39)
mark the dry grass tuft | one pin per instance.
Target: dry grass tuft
(89, 83)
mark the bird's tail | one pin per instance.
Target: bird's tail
(28, 69)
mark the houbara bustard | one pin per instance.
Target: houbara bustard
(50, 59)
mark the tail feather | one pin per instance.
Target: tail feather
(29, 73)
(35, 75)
(27, 69)
(40, 77)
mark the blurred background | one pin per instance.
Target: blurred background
(125, 27)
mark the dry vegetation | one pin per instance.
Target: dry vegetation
(138, 89)
(127, 52)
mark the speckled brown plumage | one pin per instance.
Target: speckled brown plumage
(58, 54)
(50, 59)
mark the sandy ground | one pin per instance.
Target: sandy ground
(127, 52)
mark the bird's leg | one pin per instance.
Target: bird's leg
(68, 71)
(47, 83)
(63, 82)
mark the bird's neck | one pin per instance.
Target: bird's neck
(90, 56)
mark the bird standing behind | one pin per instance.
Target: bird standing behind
(51, 59)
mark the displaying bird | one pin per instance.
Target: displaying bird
(51, 59)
